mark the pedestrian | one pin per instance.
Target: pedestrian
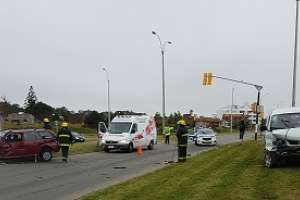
(167, 132)
(47, 125)
(65, 140)
(242, 129)
(182, 137)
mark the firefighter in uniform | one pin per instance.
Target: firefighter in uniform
(182, 137)
(47, 125)
(65, 140)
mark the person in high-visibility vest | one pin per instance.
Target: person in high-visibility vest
(167, 132)
(47, 125)
(182, 137)
(65, 140)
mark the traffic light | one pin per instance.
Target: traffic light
(207, 78)
(253, 107)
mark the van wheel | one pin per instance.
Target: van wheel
(270, 159)
(151, 145)
(130, 148)
(46, 155)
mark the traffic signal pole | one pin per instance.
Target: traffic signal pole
(257, 112)
(258, 88)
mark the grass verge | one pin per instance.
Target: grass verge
(231, 172)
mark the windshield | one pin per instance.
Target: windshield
(285, 121)
(2, 133)
(120, 127)
(205, 131)
(75, 134)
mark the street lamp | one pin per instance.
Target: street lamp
(295, 55)
(108, 97)
(162, 45)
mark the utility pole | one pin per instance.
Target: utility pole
(108, 97)
(295, 55)
(162, 50)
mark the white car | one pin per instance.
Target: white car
(206, 136)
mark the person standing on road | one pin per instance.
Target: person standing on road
(242, 129)
(182, 137)
(47, 125)
(65, 140)
(167, 133)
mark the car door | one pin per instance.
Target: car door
(30, 143)
(14, 145)
(46, 137)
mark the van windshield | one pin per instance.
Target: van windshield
(285, 121)
(120, 127)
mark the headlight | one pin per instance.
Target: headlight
(278, 142)
(103, 141)
(124, 141)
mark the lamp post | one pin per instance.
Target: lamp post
(162, 45)
(231, 110)
(295, 55)
(108, 97)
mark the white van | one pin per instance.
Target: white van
(127, 132)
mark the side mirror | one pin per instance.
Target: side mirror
(263, 128)
(133, 131)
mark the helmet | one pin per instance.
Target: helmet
(65, 125)
(181, 122)
(46, 120)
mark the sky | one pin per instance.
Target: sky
(60, 47)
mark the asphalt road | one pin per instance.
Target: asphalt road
(84, 173)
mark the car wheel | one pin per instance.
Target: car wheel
(270, 159)
(196, 143)
(105, 149)
(46, 155)
(151, 145)
(130, 148)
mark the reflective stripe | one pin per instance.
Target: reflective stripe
(64, 136)
(64, 145)
(183, 145)
(184, 135)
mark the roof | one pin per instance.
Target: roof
(130, 118)
(286, 110)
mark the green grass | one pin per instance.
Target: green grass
(231, 172)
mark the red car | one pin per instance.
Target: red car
(28, 143)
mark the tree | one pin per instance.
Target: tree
(6, 107)
(41, 110)
(92, 119)
(31, 99)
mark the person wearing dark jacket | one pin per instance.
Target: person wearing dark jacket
(65, 140)
(182, 137)
(47, 125)
(242, 129)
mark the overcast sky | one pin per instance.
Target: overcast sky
(60, 46)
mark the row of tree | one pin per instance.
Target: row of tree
(88, 118)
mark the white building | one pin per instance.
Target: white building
(237, 109)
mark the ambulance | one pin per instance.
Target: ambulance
(128, 132)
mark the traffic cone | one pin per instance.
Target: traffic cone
(140, 150)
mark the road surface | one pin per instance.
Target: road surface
(84, 173)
